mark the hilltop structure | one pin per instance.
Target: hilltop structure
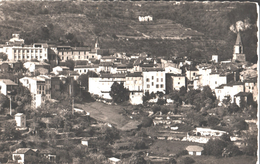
(238, 54)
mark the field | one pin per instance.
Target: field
(164, 147)
(109, 114)
(231, 160)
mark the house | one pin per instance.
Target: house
(114, 160)
(230, 89)
(101, 85)
(245, 97)
(23, 154)
(7, 86)
(175, 82)
(251, 86)
(33, 66)
(20, 119)
(39, 87)
(191, 73)
(134, 83)
(50, 155)
(154, 80)
(194, 150)
(77, 53)
(56, 70)
(38, 51)
(83, 69)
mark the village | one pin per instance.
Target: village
(115, 106)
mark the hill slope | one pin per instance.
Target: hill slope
(79, 23)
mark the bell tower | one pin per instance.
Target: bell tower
(238, 52)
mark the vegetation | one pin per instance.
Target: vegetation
(119, 93)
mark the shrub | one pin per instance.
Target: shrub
(187, 160)
(147, 122)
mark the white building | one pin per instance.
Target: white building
(38, 51)
(154, 80)
(32, 66)
(134, 83)
(83, 69)
(39, 88)
(22, 154)
(101, 86)
(56, 70)
(20, 119)
(7, 86)
(229, 90)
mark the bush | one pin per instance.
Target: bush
(140, 145)
(147, 122)
(156, 108)
(187, 160)
(214, 147)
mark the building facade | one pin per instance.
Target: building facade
(134, 83)
(154, 80)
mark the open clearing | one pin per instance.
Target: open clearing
(231, 160)
(109, 114)
(165, 147)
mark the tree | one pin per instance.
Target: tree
(241, 125)
(187, 160)
(147, 122)
(4, 101)
(227, 100)
(233, 108)
(225, 137)
(137, 159)
(69, 63)
(172, 161)
(119, 93)
(10, 131)
(214, 147)
(213, 121)
(156, 108)
(251, 146)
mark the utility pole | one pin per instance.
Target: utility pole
(10, 105)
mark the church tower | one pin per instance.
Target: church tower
(97, 44)
(238, 52)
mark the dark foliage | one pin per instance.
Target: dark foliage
(119, 93)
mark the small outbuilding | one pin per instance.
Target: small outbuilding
(194, 150)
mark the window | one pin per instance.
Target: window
(28, 51)
(161, 79)
(92, 56)
(152, 83)
(85, 70)
(40, 51)
(78, 57)
(36, 51)
(27, 56)
(152, 77)
(87, 57)
(157, 79)
(42, 87)
(249, 87)
(40, 57)
(179, 78)
(157, 85)
(216, 82)
(194, 74)
(252, 87)
(178, 82)
(147, 80)
(161, 85)
(148, 86)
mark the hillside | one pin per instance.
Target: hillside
(79, 23)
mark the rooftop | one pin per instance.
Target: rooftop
(194, 148)
(135, 74)
(7, 82)
(243, 94)
(152, 69)
(108, 75)
(21, 150)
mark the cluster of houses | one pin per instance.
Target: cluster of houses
(145, 18)
(140, 73)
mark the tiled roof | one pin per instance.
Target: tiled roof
(86, 66)
(152, 69)
(7, 82)
(135, 74)
(108, 75)
(21, 150)
(106, 64)
(194, 148)
(243, 94)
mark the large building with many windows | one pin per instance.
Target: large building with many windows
(39, 87)
(154, 80)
